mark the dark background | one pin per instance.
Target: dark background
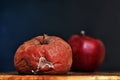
(24, 19)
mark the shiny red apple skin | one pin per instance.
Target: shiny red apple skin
(88, 53)
(43, 55)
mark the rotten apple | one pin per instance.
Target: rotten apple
(88, 52)
(43, 55)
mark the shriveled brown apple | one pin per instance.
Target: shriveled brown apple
(43, 55)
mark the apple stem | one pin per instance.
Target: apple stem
(44, 41)
(82, 32)
(44, 36)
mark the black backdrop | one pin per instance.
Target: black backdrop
(25, 19)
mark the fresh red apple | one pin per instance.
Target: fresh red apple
(88, 52)
(43, 55)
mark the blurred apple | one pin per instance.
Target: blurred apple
(88, 52)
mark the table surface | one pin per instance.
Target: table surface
(69, 76)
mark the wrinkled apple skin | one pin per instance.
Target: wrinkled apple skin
(55, 55)
(88, 53)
